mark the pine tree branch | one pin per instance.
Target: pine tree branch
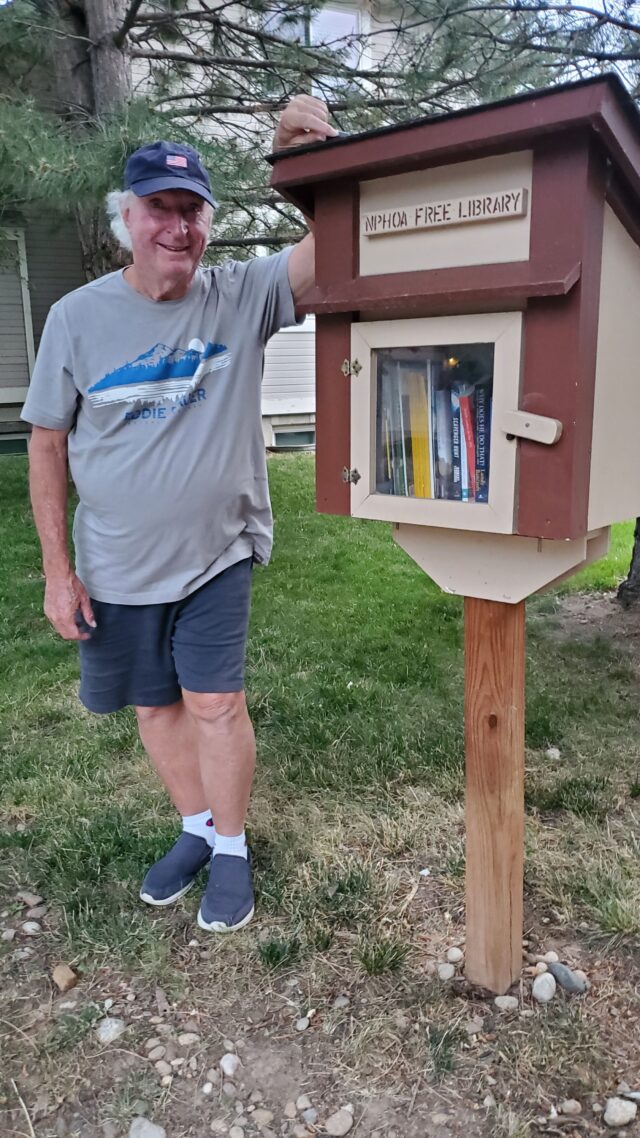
(127, 23)
(247, 242)
(241, 62)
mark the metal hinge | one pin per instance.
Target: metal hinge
(351, 475)
(351, 367)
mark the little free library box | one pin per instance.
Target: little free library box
(478, 386)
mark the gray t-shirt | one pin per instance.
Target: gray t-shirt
(162, 402)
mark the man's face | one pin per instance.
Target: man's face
(169, 232)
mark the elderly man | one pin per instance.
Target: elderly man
(147, 383)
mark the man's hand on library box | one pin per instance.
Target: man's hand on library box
(305, 119)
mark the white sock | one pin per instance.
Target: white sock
(201, 825)
(236, 846)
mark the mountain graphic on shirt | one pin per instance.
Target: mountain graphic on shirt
(161, 373)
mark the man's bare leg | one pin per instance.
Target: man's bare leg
(170, 739)
(226, 750)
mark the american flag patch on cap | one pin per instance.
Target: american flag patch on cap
(176, 160)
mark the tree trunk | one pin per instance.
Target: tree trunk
(102, 84)
(629, 591)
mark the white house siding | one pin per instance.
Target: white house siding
(288, 385)
(14, 358)
(54, 267)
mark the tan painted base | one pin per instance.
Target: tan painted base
(497, 567)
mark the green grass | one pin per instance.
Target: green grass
(355, 684)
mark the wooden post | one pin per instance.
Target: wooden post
(494, 747)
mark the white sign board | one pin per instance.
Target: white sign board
(494, 206)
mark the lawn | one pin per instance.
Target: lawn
(355, 688)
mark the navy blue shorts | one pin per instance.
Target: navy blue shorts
(145, 654)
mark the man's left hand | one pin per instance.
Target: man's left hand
(304, 120)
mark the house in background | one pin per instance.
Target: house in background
(40, 260)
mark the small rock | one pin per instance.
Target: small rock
(551, 957)
(166, 1080)
(8, 934)
(31, 928)
(474, 1026)
(290, 1110)
(489, 1102)
(29, 899)
(619, 1112)
(623, 1088)
(540, 968)
(218, 1126)
(506, 1003)
(64, 977)
(193, 1063)
(110, 1029)
(188, 1039)
(341, 1002)
(567, 978)
(570, 1106)
(425, 872)
(236, 1132)
(455, 955)
(262, 1117)
(446, 971)
(143, 1128)
(37, 912)
(339, 1123)
(230, 1065)
(544, 988)
(302, 1024)
(207, 1088)
(310, 1116)
(151, 1043)
(303, 1102)
(163, 1068)
(213, 1076)
(553, 753)
(229, 1090)
(439, 1119)
(300, 1131)
(108, 1004)
(23, 953)
(597, 1107)
(157, 1053)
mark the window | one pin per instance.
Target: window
(292, 439)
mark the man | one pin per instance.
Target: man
(147, 383)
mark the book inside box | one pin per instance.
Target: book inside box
(433, 421)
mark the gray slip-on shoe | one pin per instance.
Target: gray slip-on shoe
(227, 904)
(175, 873)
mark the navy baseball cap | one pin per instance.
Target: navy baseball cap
(167, 166)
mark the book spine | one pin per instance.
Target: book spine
(443, 440)
(456, 448)
(466, 417)
(483, 441)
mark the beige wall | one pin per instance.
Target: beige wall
(614, 493)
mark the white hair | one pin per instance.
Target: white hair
(116, 202)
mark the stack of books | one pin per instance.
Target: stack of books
(434, 422)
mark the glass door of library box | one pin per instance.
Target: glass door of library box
(427, 400)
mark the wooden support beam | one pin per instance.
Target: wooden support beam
(494, 746)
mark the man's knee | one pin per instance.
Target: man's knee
(218, 708)
(157, 715)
